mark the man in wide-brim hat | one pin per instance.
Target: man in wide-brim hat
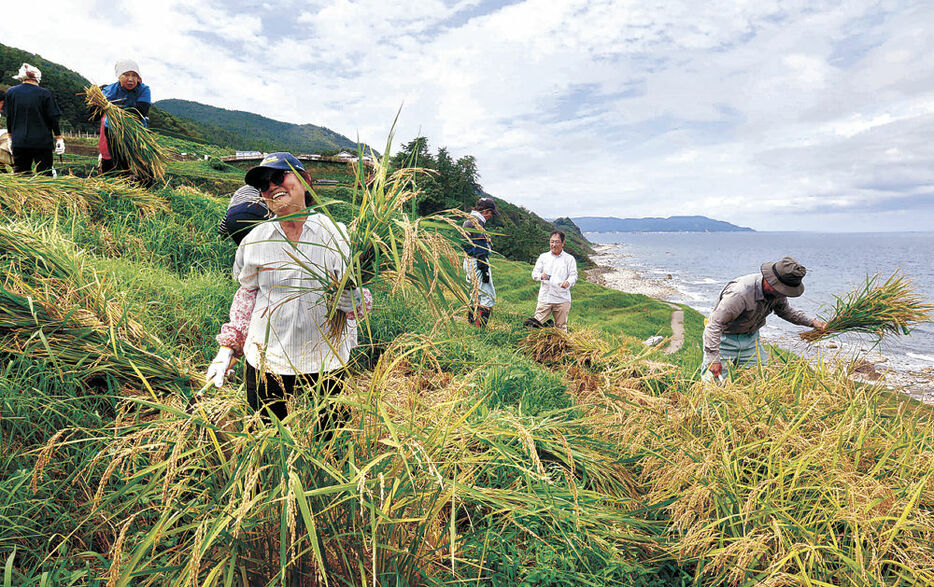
(732, 330)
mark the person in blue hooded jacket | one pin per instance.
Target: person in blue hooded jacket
(130, 93)
(477, 262)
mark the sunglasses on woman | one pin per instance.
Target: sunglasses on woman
(269, 177)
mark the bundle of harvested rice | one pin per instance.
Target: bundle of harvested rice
(546, 345)
(128, 139)
(383, 239)
(877, 310)
(55, 309)
(29, 194)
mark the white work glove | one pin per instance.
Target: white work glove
(220, 366)
(59, 146)
(349, 300)
(356, 303)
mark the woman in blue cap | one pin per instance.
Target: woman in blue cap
(279, 316)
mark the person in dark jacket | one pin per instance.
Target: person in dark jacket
(130, 93)
(33, 120)
(477, 262)
(245, 210)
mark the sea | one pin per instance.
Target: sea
(698, 264)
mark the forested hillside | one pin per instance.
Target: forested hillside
(670, 224)
(68, 88)
(247, 131)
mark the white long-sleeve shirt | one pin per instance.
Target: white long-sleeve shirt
(559, 269)
(288, 323)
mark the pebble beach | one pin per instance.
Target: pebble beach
(865, 363)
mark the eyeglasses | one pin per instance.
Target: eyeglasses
(269, 177)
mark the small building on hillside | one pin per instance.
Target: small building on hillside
(248, 154)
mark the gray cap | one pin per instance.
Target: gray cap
(785, 276)
(487, 204)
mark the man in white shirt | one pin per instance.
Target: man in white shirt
(557, 271)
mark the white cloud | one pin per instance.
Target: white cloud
(766, 113)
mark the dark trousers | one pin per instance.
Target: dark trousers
(109, 165)
(24, 159)
(269, 391)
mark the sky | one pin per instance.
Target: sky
(777, 115)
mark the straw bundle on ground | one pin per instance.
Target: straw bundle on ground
(55, 309)
(26, 194)
(128, 139)
(586, 349)
(878, 310)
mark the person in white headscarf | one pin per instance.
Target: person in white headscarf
(130, 93)
(33, 121)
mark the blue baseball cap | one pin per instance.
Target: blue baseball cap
(283, 161)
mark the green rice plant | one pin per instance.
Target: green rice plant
(128, 139)
(892, 307)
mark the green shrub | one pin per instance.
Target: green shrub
(221, 166)
(525, 386)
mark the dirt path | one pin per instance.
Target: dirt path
(677, 330)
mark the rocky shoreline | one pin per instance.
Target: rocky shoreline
(868, 368)
(609, 274)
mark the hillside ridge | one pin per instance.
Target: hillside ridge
(656, 224)
(242, 130)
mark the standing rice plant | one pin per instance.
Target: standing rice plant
(129, 140)
(801, 477)
(877, 310)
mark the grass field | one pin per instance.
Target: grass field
(486, 457)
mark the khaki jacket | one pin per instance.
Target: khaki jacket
(742, 309)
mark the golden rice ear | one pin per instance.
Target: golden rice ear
(877, 310)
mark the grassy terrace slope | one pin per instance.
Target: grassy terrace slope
(483, 457)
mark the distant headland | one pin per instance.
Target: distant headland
(670, 224)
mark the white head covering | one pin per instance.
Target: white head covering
(124, 65)
(27, 71)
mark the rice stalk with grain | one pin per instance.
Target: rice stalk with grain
(129, 141)
(892, 307)
(55, 308)
(384, 239)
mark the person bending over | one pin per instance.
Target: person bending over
(731, 334)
